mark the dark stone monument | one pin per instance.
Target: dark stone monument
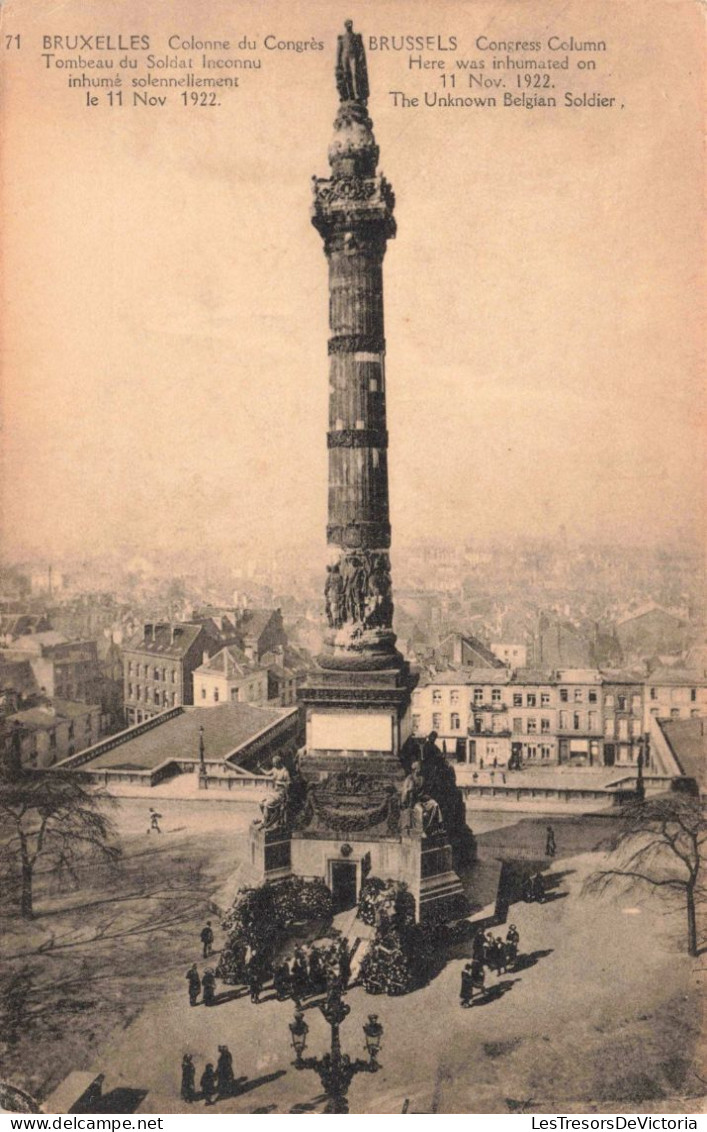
(356, 815)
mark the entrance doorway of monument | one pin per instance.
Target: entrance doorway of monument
(343, 885)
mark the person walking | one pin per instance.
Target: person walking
(317, 977)
(300, 976)
(208, 1084)
(478, 946)
(500, 956)
(255, 978)
(466, 989)
(194, 983)
(208, 987)
(512, 941)
(344, 962)
(281, 982)
(188, 1090)
(154, 821)
(225, 1080)
(477, 978)
(207, 940)
(550, 845)
(538, 887)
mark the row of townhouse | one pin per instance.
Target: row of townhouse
(206, 662)
(581, 717)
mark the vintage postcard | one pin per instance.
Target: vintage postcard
(353, 650)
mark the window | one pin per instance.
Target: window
(436, 696)
(454, 722)
(157, 696)
(436, 721)
(578, 695)
(545, 699)
(215, 695)
(478, 695)
(138, 692)
(130, 668)
(130, 691)
(415, 724)
(592, 696)
(623, 729)
(517, 726)
(203, 692)
(564, 696)
(693, 695)
(157, 674)
(532, 752)
(563, 719)
(454, 696)
(576, 721)
(545, 726)
(531, 699)
(496, 696)
(544, 752)
(174, 675)
(675, 713)
(593, 720)
(635, 728)
(621, 703)
(517, 699)
(532, 725)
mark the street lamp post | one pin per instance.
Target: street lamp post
(202, 763)
(336, 1069)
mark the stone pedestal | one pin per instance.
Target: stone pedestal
(351, 824)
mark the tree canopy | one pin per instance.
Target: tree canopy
(659, 844)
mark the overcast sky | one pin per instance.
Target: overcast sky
(165, 296)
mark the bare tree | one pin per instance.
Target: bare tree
(659, 844)
(50, 818)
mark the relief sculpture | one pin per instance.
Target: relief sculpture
(358, 591)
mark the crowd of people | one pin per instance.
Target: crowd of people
(490, 952)
(215, 1083)
(310, 970)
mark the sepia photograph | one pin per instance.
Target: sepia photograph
(353, 636)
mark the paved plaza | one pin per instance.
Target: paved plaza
(577, 1025)
(591, 1019)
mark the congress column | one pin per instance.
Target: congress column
(353, 212)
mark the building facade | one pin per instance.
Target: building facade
(159, 664)
(573, 717)
(675, 693)
(53, 731)
(68, 670)
(230, 677)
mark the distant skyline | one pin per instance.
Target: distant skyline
(165, 300)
